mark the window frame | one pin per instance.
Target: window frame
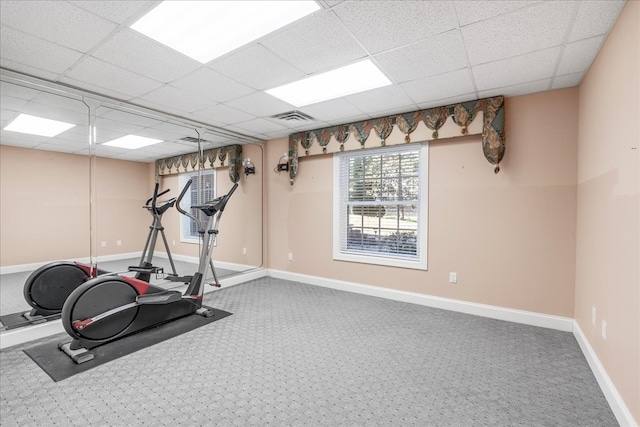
(340, 200)
(185, 222)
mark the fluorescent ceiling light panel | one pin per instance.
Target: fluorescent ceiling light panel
(33, 125)
(132, 142)
(204, 30)
(354, 78)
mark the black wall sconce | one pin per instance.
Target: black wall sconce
(283, 163)
(249, 168)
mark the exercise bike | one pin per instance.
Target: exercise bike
(110, 307)
(47, 288)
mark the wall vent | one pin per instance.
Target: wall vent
(194, 140)
(294, 115)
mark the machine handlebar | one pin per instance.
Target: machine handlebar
(157, 195)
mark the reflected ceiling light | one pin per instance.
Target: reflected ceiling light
(204, 30)
(33, 125)
(354, 78)
(132, 142)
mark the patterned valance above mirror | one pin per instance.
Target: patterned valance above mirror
(483, 116)
(229, 156)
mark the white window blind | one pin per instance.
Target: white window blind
(380, 206)
(202, 190)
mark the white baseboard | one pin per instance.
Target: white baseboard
(494, 312)
(620, 410)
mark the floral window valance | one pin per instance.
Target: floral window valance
(483, 116)
(214, 158)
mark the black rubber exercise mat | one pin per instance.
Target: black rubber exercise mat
(15, 320)
(59, 366)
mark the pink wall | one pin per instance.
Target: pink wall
(608, 232)
(510, 237)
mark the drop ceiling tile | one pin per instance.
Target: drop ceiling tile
(11, 104)
(386, 25)
(175, 98)
(435, 55)
(49, 112)
(448, 101)
(595, 18)
(316, 43)
(578, 56)
(17, 91)
(117, 11)
(328, 111)
(89, 87)
(34, 52)
(502, 37)
(381, 99)
(223, 114)
(104, 125)
(61, 103)
(64, 145)
(211, 84)
(21, 139)
(260, 125)
(260, 104)
(439, 87)
(132, 51)
(257, 67)
(56, 21)
(568, 80)
(127, 117)
(478, 10)
(518, 90)
(512, 71)
(111, 78)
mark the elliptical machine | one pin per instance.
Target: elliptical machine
(110, 307)
(47, 288)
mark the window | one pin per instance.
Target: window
(380, 206)
(202, 190)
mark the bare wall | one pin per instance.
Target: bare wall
(44, 201)
(510, 237)
(608, 231)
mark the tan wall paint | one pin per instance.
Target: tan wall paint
(44, 206)
(608, 255)
(510, 237)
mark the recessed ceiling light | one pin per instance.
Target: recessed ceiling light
(354, 78)
(204, 30)
(33, 125)
(132, 142)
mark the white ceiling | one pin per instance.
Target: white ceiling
(434, 52)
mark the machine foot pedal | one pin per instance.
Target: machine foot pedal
(159, 298)
(183, 279)
(34, 320)
(205, 312)
(79, 356)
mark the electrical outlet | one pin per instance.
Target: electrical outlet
(244, 251)
(119, 243)
(104, 244)
(174, 243)
(290, 257)
(604, 329)
(593, 315)
(453, 277)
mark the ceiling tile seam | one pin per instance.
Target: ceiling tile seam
(565, 39)
(89, 53)
(466, 51)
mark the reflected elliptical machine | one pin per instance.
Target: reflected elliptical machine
(47, 288)
(111, 307)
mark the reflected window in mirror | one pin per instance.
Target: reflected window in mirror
(201, 191)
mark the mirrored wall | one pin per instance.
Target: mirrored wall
(80, 196)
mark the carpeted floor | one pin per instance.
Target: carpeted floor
(299, 355)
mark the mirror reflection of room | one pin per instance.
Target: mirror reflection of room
(87, 203)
